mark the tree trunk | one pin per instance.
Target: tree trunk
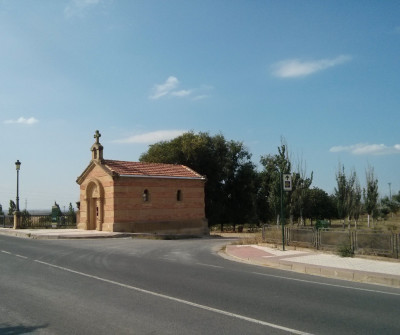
(368, 221)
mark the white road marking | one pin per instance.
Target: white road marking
(210, 265)
(185, 302)
(10, 253)
(326, 284)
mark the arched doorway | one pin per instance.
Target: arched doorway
(94, 205)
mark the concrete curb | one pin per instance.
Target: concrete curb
(51, 235)
(323, 271)
(59, 234)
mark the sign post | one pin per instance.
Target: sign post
(287, 182)
(286, 185)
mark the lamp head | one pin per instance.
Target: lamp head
(17, 165)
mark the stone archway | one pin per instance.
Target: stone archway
(94, 205)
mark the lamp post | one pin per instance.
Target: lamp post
(17, 213)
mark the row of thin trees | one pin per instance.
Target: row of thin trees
(237, 192)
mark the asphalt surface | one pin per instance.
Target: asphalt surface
(309, 261)
(134, 286)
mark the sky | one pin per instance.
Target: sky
(322, 75)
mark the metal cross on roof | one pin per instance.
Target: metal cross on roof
(97, 135)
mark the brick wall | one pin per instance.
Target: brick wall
(124, 208)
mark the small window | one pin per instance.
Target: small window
(145, 195)
(179, 195)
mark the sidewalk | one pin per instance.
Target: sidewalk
(54, 234)
(313, 262)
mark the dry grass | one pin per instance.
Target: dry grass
(256, 238)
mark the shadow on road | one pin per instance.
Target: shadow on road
(19, 329)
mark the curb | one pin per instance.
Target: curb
(322, 271)
(60, 236)
(83, 235)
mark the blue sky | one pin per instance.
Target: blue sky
(325, 75)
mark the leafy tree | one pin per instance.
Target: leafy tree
(239, 185)
(1, 210)
(319, 205)
(71, 215)
(25, 218)
(389, 205)
(269, 192)
(274, 167)
(356, 203)
(370, 194)
(230, 187)
(263, 210)
(301, 185)
(56, 210)
(340, 194)
(384, 207)
(12, 208)
(396, 197)
(345, 194)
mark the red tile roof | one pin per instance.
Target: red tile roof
(151, 169)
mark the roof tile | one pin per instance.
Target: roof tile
(151, 169)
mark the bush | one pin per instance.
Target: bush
(322, 224)
(345, 250)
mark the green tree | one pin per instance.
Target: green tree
(25, 218)
(12, 208)
(357, 205)
(239, 186)
(396, 197)
(389, 205)
(71, 215)
(230, 186)
(340, 194)
(274, 167)
(319, 205)
(345, 194)
(299, 197)
(370, 194)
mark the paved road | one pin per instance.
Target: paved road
(131, 286)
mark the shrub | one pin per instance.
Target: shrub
(345, 250)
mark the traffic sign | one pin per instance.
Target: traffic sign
(287, 182)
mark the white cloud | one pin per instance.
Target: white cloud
(182, 93)
(170, 89)
(78, 7)
(200, 97)
(152, 137)
(23, 120)
(296, 68)
(164, 89)
(368, 149)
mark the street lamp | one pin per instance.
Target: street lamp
(16, 213)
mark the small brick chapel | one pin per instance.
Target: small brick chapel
(122, 196)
